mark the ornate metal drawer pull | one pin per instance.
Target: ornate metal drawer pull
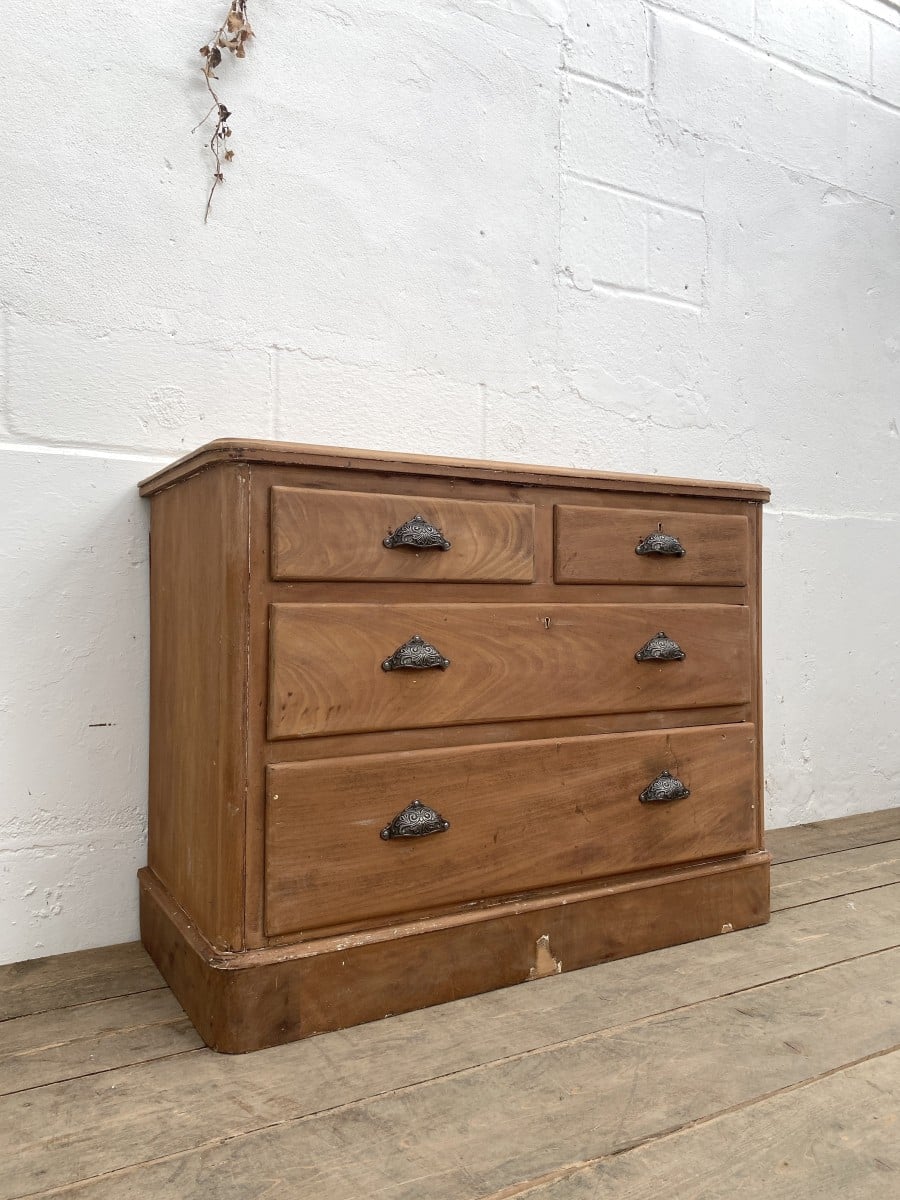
(418, 533)
(416, 820)
(664, 787)
(415, 655)
(660, 648)
(658, 542)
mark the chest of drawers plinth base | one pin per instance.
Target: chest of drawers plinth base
(251, 999)
(583, 739)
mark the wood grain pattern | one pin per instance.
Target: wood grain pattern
(842, 873)
(73, 1058)
(40, 985)
(510, 663)
(339, 535)
(469, 1134)
(827, 837)
(198, 690)
(801, 1143)
(75, 1022)
(597, 545)
(522, 816)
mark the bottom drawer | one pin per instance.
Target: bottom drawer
(522, 815)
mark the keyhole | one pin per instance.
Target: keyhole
(546, 622)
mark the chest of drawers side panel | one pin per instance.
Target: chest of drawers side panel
(198, 690)
(755, 512)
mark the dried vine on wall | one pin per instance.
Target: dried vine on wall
(233, 36)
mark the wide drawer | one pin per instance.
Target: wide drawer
(506, 662)
(521, 815)
(340, 535)
(600, 545)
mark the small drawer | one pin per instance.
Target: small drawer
(341, 535)
(518, 816)
(619, 545)
(347, 668)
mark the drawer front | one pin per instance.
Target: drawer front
(506, 662)
(341, 535)
(599, 545)
(521, 816)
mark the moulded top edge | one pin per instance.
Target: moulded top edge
(234, 450)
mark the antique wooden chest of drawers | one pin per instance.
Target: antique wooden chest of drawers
(421, 728)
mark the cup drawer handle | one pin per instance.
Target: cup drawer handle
(416, 655)
(660, 649)
(658, 542)
(665, 787)
(417, 533)
(416, 820)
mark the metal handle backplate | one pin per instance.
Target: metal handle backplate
(416, 655)
(660, 649)
(661, 543)
(416, 820)
(417, 533)
(665, 787)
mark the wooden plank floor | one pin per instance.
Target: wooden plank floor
(765, 1063)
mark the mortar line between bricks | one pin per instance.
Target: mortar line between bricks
(650, 30)
(871, 48)
(892, 23)
(81, 450)
(631, 194)
(276, 405)
(563, 95)
(619, 289)
(802, 69)
(4, 369)
(880, 517)
(605, 85)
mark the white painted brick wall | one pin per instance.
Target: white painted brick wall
(826, 35)
(733, 16)
(740, 96)
(603, 236)
(676, 254)
(886, 62)
(608, 41)
(620, 141)
(645, 235)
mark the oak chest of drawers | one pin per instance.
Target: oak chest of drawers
(421, 728)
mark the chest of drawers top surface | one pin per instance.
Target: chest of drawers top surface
(560, 667)
(255, 451)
